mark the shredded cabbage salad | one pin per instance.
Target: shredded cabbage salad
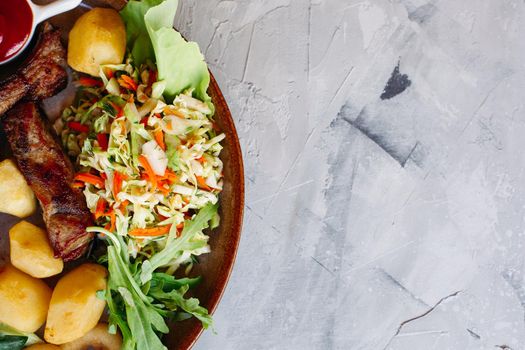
(147, 150)
(145, 165)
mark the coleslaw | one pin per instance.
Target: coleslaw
(145, 164)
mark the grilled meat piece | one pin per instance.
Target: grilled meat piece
(42, 76)
(50, 174)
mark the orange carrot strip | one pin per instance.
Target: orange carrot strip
(101, 208)
(128, 82)
(151, 174)
(171, 175)
(165, 191)
(150, 232)
(202, 183)
(112, 219)
(118, 178)
(77, 184)
(159, 137)
(91, 179)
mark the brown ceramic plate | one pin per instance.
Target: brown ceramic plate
(215, 268)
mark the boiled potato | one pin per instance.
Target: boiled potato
(98, 37)
(75, 309)
(16, 196)
(98, 338)
(31, 252)
(24, 300)
(43, 347)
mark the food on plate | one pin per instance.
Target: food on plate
(24, 300)
(17, 197)
(98, 37)
(50, 174)
(43, 76)
(31, 251)
(98, 338)
(75, 308)
(44, 347)
(147, 153)
(147, 181)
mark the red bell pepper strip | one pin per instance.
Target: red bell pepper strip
(78, 127)
(103, 141)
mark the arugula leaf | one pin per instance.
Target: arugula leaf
(174, 246)
(117, 317)
(167, 282)
(175, 299)
(140, 319)
(12, 342)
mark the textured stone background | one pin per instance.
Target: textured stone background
(383, 144)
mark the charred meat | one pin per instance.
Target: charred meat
(50, 174)
(42, 76)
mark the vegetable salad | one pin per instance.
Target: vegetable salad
(147, 150)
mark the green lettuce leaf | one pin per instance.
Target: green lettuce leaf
(138, 40)
(149, 27)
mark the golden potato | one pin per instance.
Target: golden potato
(17, 197)
(98, 37)
(31, 252)
(24, 300)
(75, 309)
(43, 347)
(97, 338)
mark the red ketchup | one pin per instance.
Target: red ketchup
(16, 19)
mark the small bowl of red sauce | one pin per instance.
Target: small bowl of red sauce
(19, 19)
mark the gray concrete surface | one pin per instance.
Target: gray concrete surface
(384, 205)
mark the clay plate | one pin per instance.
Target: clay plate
(215, 268)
